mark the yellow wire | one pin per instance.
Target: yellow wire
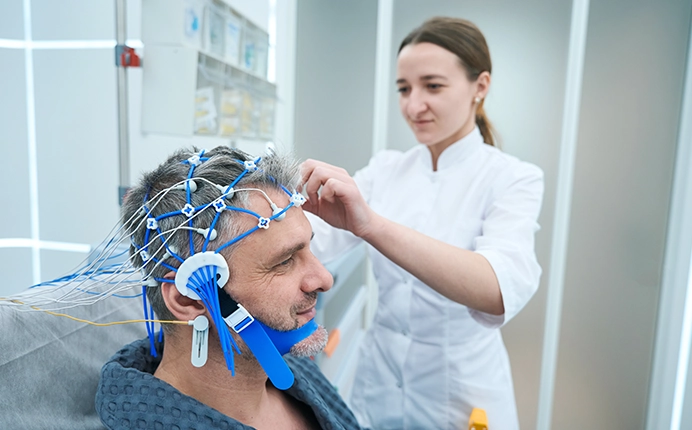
(57, 314)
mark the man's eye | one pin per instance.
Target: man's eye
(286, 262)
(402, 90)
(434, 86)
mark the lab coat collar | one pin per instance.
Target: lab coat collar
(457, 151)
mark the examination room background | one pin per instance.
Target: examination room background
(615, 357)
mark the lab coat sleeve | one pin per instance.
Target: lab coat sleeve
(330, 243)
(507, 241)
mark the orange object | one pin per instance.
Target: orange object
(332, 342)
(478, 420)
(126, 56)
(129, 58)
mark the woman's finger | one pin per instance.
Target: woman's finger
(323, 170)
(334, 189)
(315, 181)
(317, 173)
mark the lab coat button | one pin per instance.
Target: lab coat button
(404, 332)
(398, 384)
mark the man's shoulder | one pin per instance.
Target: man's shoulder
(127, 381)
(306, 371)
(301, 364)
(314, 389)
(129, 396)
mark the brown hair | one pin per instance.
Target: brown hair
(466, 41)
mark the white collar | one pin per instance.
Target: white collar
(455, 152)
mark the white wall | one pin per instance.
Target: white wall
(335, 70)
(631, 100)
(60, 105)
(15, 219)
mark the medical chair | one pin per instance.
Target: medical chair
(50, 365)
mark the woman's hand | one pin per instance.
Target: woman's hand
(334, 196)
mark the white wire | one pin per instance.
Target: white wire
(85, 287)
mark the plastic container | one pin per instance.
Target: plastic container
(214, 30)
(233, 33)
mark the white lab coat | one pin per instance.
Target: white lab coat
(427, 361)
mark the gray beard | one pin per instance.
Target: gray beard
(311, 345)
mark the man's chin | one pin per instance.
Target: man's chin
(311, 345)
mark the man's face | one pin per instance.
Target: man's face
(273, 273)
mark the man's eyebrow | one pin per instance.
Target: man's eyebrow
(288, 252)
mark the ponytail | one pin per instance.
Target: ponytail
(484, 125)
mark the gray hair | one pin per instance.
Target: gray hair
(153, 196)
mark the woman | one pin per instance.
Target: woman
(451, 225)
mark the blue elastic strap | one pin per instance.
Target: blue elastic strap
(284, 340)
(259, 342)
(267, 355)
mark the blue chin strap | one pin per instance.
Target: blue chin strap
(268, 345)
(284, 340)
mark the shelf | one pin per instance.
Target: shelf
(205, 72)
(208, 26)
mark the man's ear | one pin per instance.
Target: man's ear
(183, 308)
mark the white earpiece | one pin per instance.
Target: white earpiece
(200, 338)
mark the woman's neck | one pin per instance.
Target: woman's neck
(436, 149)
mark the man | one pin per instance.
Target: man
(258, 299)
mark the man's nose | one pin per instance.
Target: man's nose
(318, 279)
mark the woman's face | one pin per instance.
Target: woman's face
(435, 96)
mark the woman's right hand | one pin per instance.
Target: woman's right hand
(334, 196)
